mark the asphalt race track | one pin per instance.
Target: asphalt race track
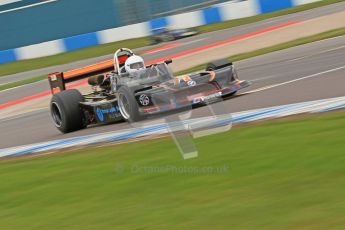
(186, 44)
(309, 72)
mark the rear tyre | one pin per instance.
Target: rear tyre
(66, 112)
(128, 106)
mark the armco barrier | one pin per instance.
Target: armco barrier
(216, 13)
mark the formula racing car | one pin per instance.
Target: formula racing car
(164, 34)
(127, 89)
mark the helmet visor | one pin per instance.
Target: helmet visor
(137, 65)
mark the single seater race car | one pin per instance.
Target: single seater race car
(131, 91)
(164, 34)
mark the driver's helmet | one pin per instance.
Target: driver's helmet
(135, 65)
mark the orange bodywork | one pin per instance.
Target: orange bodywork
(88, 69)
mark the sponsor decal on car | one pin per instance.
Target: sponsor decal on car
(206, 98)
(191, 83)
(101, 112)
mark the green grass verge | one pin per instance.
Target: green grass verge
(26, 65)
(317, 37)
(286, 174)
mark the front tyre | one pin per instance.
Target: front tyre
(128, 106)
(66, 112)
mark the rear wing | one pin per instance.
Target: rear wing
(58, 80)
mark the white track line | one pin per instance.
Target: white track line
(292, 81)
(19, 86)
(318, 53)
(193, 41)
(28, 6)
